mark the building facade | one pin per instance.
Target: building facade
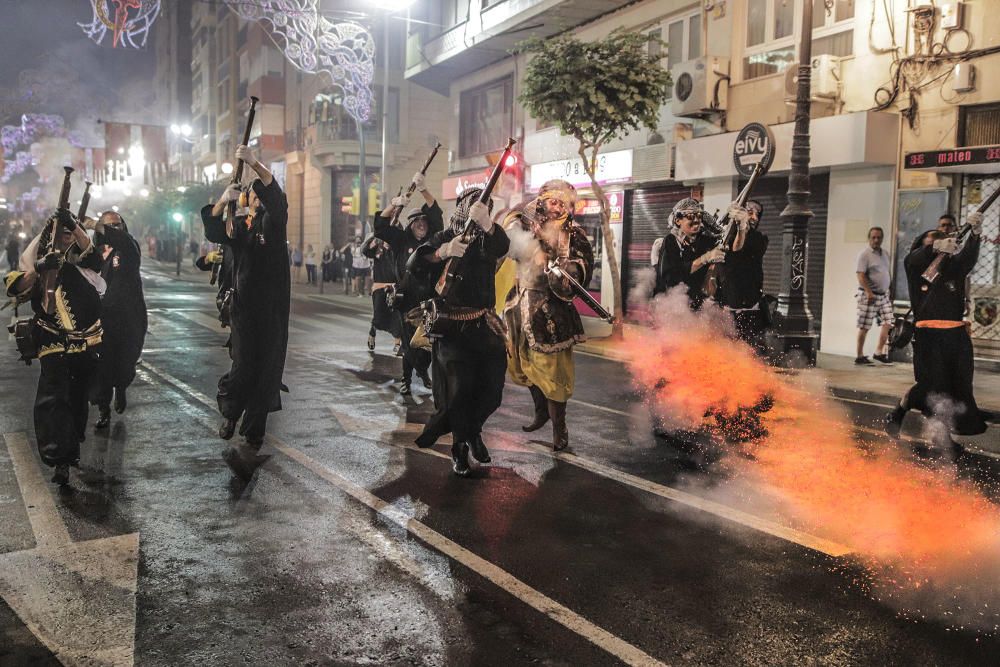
(896, 108)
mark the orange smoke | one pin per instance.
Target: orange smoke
(929, 541)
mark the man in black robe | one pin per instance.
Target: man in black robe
(687, 251)
(414, 285)
(470, 356)
(123, 313)
(260, 303)
(60, 279)
(742, 289)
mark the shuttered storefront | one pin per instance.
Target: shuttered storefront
(773, 194)
(648, 218)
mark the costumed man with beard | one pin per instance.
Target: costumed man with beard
(417, 284)
(742, 288)
(383, 277)
(259, 306)
(943, 364)
(469, 353)
(542, 322)
(67, 334)
(123, 313)
(687, 251)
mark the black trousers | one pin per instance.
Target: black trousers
(750, 327)
(61, 408)
(470, 364)
(115, 369)
(414, 358)
(943, 368)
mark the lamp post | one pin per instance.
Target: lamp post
(179, 218)
(794, 320)
(390, 7)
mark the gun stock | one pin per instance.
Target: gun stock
(238, 171)
(932, 272)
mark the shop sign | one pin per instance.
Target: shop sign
(453, 186)
(592, 206)
(614, 167)
(953, 157)
(754, 145)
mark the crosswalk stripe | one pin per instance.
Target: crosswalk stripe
(46, 524)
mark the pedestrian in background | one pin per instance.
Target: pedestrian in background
(326, 264)
(360, 269)
(346, 265)
(296, 264)
(13, 247)
(874, 304)
(310, 260)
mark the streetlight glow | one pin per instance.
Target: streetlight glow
(114, 208)
(186, 130)
(144, 192)
(181, 189)
(394, 5)
(177, 217)
(227, 168)
(175, 128)
(127, 192)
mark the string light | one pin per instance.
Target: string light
(127, 29)
(313, 44)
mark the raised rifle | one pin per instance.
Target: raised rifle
(84, 202)
(932, 272)
(52, 275)
(409, 191)
(238, 171)
(730, 230)
(453, 268)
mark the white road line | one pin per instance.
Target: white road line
(559, 613)
(201, 319)
(46, 524)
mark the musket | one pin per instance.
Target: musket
(932, 272)
(730, 230)
(409, 191)
(52, 275)
(84, 202)
(238, 171)
(453, 267)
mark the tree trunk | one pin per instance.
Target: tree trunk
(617, 329)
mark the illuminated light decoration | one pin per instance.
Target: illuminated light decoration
(33, 126)
(343, 51)
(129, 23)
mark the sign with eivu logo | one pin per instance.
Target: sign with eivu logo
(754, 144)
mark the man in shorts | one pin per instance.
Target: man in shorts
(874, 304)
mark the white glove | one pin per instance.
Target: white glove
(398, 202)
(244, 153)
(654, 253)
(948, 246)
(714, 256)
(975, 220)
(419, 182)
(232, 193)
(479, 213)
(453, 248)
(739, 215)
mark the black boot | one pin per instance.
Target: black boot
(227, 429)
(560, 434)
(541, 410)
(426, 379)
(478, 449)
(120, 401)
(460, 459)
(61, 476)
(103, 417)
(894, 422)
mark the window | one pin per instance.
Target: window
(485, 117)
(683, 40)
(223, 96)
(979, 125)
(771, 28)
(454, 12)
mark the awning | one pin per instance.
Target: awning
(966, 160)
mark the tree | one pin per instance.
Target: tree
(596, 92)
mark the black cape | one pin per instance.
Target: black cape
(123, 308)
(260, 304)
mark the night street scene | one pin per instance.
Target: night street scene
(500, 332)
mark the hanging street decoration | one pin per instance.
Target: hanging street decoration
(343, 51)
(128, 21)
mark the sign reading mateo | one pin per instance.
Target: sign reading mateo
(754, 144)
(615, 167)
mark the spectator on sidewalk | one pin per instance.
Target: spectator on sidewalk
(310, 260)
(360, 269)
(297, 264)
(347, 264)
(874, 304)
(326, 264)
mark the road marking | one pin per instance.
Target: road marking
(76, 598)
(46, 524)
(534, 598)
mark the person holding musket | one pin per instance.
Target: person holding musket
(687, 251)
(943, 363)
(742, 285)
(542, 322)
(261, 285)
(383, 277)
(123, 312)
(413, 285)
(59, 273)
(469, 352)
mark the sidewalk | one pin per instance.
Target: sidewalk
(877, 383)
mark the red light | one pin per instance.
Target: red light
(510, 161)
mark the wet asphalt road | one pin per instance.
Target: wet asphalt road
(351, 547)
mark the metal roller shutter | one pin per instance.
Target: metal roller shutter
(773, 194)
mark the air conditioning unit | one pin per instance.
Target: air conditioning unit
(700, 86)
(825, 83)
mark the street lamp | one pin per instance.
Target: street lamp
(390, 7)
(794, 321)
(178, 217)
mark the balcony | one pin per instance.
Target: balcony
(435, 61)
(335, 144)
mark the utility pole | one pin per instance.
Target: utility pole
(385, 106)
(362, 184)
(794, 319)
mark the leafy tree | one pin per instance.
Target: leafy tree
(596, 92)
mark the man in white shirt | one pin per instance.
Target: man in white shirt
(874, 277)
